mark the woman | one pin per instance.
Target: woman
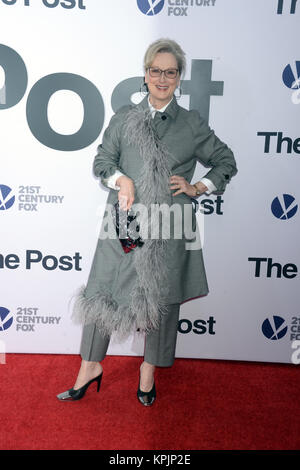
(147, 158)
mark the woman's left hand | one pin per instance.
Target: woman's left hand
(181, 184)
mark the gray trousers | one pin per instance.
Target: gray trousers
(160, 344)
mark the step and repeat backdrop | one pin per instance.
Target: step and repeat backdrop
(65, 67)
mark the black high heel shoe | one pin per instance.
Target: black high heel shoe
(71, 395)
(147, 398)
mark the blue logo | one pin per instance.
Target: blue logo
(291, 76)
(150, 7)
(284, 208)
(6, 199)
(5, 319)
(274, 327)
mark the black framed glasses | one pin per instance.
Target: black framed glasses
(155, 72)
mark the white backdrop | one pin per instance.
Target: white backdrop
(60, 62)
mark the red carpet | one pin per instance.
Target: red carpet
(201, 404)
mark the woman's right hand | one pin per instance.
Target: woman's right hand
(126, 192)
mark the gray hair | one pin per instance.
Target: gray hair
(165, 45)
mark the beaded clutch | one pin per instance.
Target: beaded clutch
(127, 228)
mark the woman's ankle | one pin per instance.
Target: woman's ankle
(91, 365)
(147, 366)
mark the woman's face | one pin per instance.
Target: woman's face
(161, 88)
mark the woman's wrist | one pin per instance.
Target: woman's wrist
(122, 179)
(200, 188)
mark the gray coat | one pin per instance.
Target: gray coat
(129, 290)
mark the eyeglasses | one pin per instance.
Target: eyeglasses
(156, 72)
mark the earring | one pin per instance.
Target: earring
(180, 93)
(144, 90)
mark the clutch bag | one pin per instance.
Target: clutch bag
(126, 228)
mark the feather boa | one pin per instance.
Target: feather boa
(145, 304)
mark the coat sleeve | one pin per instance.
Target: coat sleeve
(212, 152)
(106, 162)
